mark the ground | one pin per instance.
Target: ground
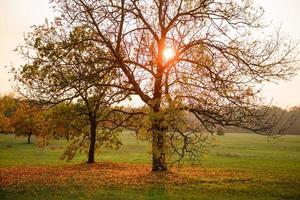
(241, 166)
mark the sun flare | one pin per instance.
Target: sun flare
(169, 53)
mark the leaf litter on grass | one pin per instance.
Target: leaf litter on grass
(108, 173)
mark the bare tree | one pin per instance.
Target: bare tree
(203, 57)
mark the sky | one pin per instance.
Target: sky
(16, 17)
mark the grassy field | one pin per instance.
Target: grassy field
(242, 166)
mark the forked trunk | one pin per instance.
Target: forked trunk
(93, 131)
(158, 148)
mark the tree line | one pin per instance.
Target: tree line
(29, 118)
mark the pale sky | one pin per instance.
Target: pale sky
(16, 17)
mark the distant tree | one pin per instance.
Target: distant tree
(179, 56)
(220, 131)
(60, 120)
(8, 104)
(294, 126)
(27, 120)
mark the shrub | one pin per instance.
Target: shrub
(220, 131)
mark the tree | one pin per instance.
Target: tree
(68, 121)
(220, 131)
(294, 127)
(27, 119)
(21, 117)
(202, 57)
(62, 68)
(8, 106)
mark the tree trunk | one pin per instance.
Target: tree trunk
(158, 132)
(93, 131)
(29, 137)
(158, 148)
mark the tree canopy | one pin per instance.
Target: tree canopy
(63, 68)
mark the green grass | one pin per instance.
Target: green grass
(15, 152)
(274, 165)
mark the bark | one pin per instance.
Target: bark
(158, 132)
(158, 148)
(93, 131)
(29, 137)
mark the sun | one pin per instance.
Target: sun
(169, 53)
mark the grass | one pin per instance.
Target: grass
(241, 166)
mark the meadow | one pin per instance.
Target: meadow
(241, 166)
